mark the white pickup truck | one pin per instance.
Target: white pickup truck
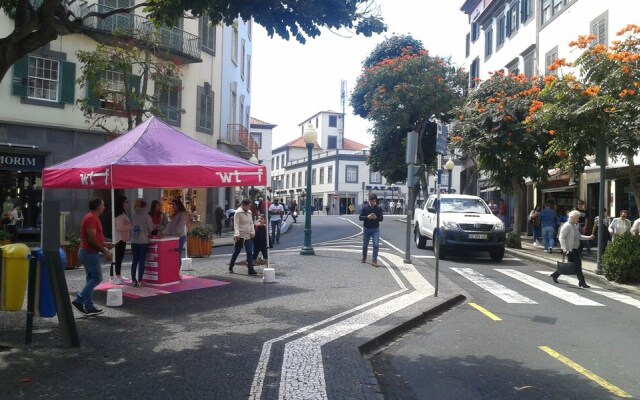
(466, 223)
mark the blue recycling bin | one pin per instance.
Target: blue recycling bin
(46, 303)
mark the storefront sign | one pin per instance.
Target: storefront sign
(383, 188)
(21, 162)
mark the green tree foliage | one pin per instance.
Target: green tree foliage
(491, 129)
(600, 102)
(37, 23)
(400, 91)
(119, 80)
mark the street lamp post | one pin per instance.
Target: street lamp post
(309, 137)
(449, 166)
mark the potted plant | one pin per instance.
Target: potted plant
(5, 237)
(70, 247)
(199, 241)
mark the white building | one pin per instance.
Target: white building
(40, 123)
(340, 175)
(526, 36)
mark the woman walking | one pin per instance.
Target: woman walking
(570, 237)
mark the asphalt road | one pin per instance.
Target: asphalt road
(550, 342)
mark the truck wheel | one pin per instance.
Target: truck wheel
(497, 254)
(421, 241)
(438, 250)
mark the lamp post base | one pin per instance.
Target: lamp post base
(307, 251)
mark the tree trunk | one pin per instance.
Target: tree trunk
(517, 196)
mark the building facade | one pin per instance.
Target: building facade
(340, 176)
(40, 124)
(527, 36)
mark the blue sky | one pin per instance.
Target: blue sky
(291, 82)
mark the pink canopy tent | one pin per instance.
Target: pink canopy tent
(153, 155)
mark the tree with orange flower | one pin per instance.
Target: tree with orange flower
(490, 129)
(401, 86)
(597, 99)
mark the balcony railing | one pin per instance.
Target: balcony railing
(174, 40)
(237, 133)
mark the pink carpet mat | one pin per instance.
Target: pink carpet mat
(187, 283)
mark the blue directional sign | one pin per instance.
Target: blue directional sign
(441, 139)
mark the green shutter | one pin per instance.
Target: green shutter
(20, 77)
(68, 83)
(93, 100)
(134, 88)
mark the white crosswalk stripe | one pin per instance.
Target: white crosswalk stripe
(493, 287)
(549, 288)
(623, 298)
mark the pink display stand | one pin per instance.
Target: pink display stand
(162, 264)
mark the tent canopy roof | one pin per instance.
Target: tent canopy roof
(153, 155)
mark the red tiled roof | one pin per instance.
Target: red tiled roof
(349, 144)
(256, 121)
(299, 142)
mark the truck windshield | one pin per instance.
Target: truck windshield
(469, 206)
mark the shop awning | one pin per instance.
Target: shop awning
(559, 189)
(489, 189)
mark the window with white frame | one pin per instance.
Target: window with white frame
(375, 177)
(474, 73)
(249, 73)
(287, 182)
(332, 142)
(278, 162)
(313, 176)
(467, 45)
(322, 175)
(114, 89)
(351, 174)
(475, 31)
(333, 121)
(300, 179)
(43, 78)
(330, 174)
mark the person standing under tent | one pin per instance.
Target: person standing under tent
(122, 236)
(158, 218)
(178, 225)
(141, 228)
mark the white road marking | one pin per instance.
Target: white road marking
(553, 290)
(408, 270)
(424, 256)
(302, 374)
(511, 259)
(493, 287)
(623, 298)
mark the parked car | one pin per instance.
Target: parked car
(466, 223)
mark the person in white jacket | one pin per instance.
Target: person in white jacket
(620, 226)
(570, 238)
(122, 236)
(141, 227)
(243, 233)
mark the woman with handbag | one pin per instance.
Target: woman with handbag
(570, 237)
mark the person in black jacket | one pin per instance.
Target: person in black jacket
(260, 242)
(371, 215)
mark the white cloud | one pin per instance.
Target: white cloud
(292, 82)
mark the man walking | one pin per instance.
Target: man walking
(91, 245)
(276, 211)
(371, 215)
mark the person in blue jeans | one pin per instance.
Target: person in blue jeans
(91, 245)
(371, 215)
(548, 223)
(141, 228)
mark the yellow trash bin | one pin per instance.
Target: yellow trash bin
(15, 269)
